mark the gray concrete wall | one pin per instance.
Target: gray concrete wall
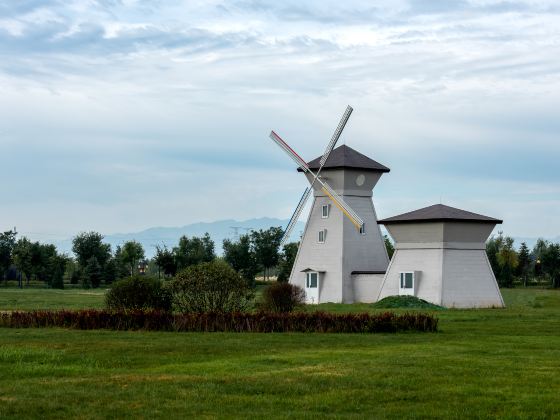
(367, 286)
(428, 261)
(468, 280)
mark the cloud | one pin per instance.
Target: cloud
(118, 115)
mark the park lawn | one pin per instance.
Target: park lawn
(483, 363)
(12, 299)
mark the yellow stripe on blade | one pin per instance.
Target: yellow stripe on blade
(335, 201)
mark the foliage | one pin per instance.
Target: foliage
(90, 244)
(210, 287)
(503, 259)
(409, 302)
(389, 246)
(92, 256)
(550, 260)
(131, 254)
(260, 322)
(165, 261)
(282, 297)
(40, 261)
(524, 262)
(7, 243)
(241, 256)
(192, 251)
(266, 244)
(138, 292)
(287, 259)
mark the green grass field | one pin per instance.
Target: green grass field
(27, 299)
(483, 363)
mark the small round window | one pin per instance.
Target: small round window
(360, 179)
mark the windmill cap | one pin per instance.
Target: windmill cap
(438, 213)
(346, 157)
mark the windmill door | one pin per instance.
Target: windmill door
(312, 288)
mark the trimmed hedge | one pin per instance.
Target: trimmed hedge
(264, 322)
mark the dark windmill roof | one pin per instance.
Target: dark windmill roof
(346, 157)
(438, 213)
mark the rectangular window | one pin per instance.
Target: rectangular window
(325, 211)
(407, 280)
(322, 235)
(363, 229)
(312, 280)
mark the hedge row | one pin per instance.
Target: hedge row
(264, 322)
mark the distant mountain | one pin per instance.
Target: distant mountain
(169, 236)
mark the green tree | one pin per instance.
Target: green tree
(90, 244)
(192, 251)
(92, 273)
(524, 263)
(7, 243)
(507, 261)
(493, 246)
(540, 248)
(22, 257)
(389, 246)
(241, 256)
(551, 263)
(92, 256)
(287, 259)
(131, 254)
(266, 244)
(165, 261)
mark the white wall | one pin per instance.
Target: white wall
(468, 280)
(427, 261)
(366, 287)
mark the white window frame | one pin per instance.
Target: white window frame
(324, 236)
(308, 279)
(407, 291)
(328, 208)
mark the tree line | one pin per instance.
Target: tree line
(94, 263)
(540, 265)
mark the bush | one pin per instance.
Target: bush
(405, 302)
(138, 292)
(262, 322)
(282, 297)
(210, 287)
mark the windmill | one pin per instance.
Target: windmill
(336, 199)
(326, 267)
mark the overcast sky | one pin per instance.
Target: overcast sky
(121, 115)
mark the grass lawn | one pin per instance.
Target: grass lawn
(483, 363)
(28, 299)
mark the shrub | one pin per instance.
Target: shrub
(138, 292)
(282, 297)
(210, 287)
(262, 322)
(405, 302)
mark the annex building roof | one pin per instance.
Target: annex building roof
(438, 213)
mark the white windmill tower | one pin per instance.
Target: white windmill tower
(342, 255)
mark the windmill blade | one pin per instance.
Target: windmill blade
(295, 215)
(295, 157)
(336, 135)
(342, 205)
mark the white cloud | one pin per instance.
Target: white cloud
(114, 112)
